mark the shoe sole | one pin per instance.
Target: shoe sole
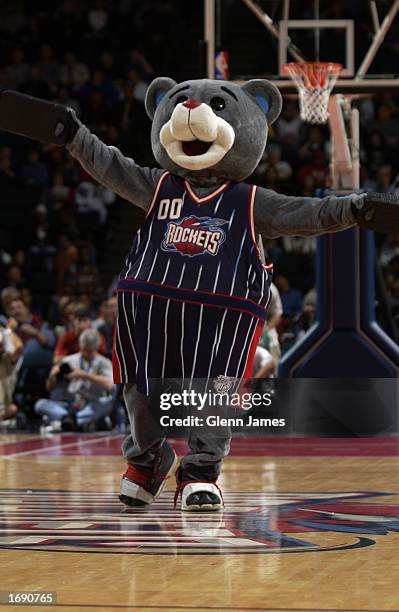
(132, 503)
(137, 503)
(204, 507)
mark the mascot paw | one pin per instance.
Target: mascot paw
(377, 211)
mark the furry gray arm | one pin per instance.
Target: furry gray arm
(280, 215)
(110, 168)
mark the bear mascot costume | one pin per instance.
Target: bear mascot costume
(194, 288)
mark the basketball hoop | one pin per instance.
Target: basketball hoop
(314, 81)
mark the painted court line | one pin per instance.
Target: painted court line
(80, 442)
(109, 444)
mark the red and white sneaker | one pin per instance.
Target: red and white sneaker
(141, 486)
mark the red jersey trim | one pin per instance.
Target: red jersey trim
(251, 206)
(251, 353)
(207, 198)
(158, 187)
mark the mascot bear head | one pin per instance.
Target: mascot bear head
(210, 131)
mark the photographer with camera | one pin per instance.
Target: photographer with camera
(80, 388)
(10, 352)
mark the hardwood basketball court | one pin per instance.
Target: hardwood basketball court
(310, 524)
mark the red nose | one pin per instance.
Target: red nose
(191, 103)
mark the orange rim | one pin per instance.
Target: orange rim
(313, 74)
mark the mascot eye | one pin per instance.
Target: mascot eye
(218, 103)
(181, 99)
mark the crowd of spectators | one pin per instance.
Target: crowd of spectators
(55, 221)
(50, 368)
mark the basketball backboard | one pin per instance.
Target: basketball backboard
(318, 27)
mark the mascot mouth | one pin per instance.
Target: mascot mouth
(195, 147)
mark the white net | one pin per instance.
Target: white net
(314, 81)
(313, 105)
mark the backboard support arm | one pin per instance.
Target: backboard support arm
(345, 143)
(379, 36)
(267, 21)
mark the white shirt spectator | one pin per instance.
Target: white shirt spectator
(299, 244)
(261, 359)
(275, 307)
(90, 197)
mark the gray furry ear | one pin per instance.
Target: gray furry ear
(267, 97)
(156, 91)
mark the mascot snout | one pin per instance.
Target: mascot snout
(195, 137)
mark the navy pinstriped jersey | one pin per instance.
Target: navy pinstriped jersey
(200, 252)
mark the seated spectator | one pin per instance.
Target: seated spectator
(27, 298)
(65, 220)
(310, 300)
(63, 314)
(73, 72)
(98, 84)
(299, 245)
(306, 319)
(390, 249)
(315, 142)
(5, 260)
(387, 123)
(391, 277)
(274, 160)
(49, 68)
(40, 226)
(34, 172)
(377, 151)
(269, 339)
(35, 86)
(59, 191)
(264, 366)
(109, 67)
(272, 171)
(18, 258)
(105, 325)
(35, 333)
(68, 343)
(382, 181)
(66, 99)
(97, 17)
(14, 276)
(82, 279)
(65, 260)
(8, 177)
(95, 112)
(8, 294)
(17, 72)
(129, 112)
(92, 198)
(316, 166)
(80, 388)
(10, 351)
(138, 62)
(138, 87)
(288, 125)
(291, 298)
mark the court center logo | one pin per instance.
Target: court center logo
(194, 236)
(252, 523)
